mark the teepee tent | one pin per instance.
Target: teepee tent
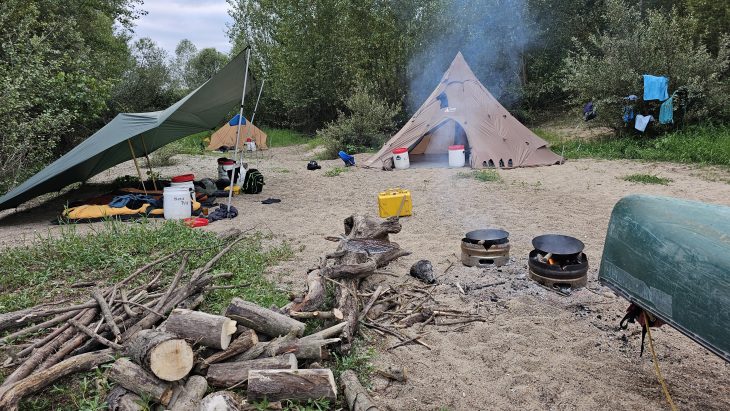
(461, 111)
(226, 135)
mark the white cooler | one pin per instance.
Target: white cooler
(456, 156)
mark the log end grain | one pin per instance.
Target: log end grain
(171, 360)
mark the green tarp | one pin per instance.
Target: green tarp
(672, 258)
(200, 110)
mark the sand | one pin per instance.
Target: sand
(539, 350)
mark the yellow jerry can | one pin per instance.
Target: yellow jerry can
(392, 200)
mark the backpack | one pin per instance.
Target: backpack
(253, 183)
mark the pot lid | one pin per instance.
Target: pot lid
(488, 234)
(558, 244)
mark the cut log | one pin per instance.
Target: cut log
(309, 349)
(241, 344)
(330, 332)
(11, 395)
(357, 398)
(325, 315)
(120, 399)
(233, 374)
(262, 319)
(134, 378)
(316, 293)
(213, 331)
(192, 394)
(222, 401)
(295, 385)
(168, 357)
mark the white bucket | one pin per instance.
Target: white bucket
(456, 156)
(400, 158)
(188, 185)
(251, 145)
(177, 203)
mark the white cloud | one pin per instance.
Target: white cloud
(201, 21)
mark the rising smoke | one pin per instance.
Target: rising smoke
(491, 34)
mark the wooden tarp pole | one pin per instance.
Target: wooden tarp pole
(238, 132)
(139, 173)
(253, 116)
(149, 165)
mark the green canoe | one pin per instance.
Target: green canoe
(671, 257)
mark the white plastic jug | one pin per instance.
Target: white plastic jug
(177, 203)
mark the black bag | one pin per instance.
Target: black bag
(253, 183)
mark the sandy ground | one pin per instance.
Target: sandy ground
(539, 350)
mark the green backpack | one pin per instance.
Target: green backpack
(253, 183)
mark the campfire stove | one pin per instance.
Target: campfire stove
(485, 248)
(558, 261)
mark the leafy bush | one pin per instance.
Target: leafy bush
(610, 65)
(366, 125)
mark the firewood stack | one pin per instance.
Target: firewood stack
(164, 350)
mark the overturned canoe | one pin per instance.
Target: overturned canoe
(671, 257)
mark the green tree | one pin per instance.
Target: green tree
(202, 66)
(184, 52)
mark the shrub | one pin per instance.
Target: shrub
(610, 65)
(366, 125)
(163, 156)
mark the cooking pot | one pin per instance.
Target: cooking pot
(487, 237)
(558, 244)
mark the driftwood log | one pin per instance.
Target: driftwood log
(316, 293)
(262, 319)
(191, 395)
(168, 357)
(295, 385)
(233, 374)
(222, 401)
(356, 396)
(213, 331)
(134, 378)
(120, 399)
(241, 344)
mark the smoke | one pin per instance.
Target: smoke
(491, 34)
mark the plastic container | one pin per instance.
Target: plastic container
(188, 185)
(456, 156)
(250, 145)
(392, 200)
(177, 204)
(400, 158)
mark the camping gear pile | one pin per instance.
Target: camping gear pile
(165, 351)
(461, 111)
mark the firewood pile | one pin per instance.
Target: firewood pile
(162, 349)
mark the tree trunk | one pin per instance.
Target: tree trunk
(295, 385)
(262, 319)
(233, 374)
(134, 378)
(119, 399)
(243, 343)
(192, 394)
(12, 394)
(222, 401)
(357, 398)
(212, 331)
(169, 358)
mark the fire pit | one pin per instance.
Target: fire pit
(558, 261)
(485, 248)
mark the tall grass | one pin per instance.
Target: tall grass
(697, 144)
(281, 137)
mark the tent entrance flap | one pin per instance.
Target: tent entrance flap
(435, 143)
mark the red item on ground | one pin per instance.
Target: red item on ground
(400, 150)
(456, 147)
(196, 222)
(183, 178)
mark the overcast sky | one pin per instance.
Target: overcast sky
(201, 21)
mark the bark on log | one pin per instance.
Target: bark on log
(350, 271)
(19, 318)
(222, 401)
(106, 312)
(241, 344)
(325, 315)
(213, 331)
(357, 397)
(192, 394)
(358, 226)
(295, 385)
(316, 293)
(330, 332)
(11, 395)
(309, 349)
(262, 319)
(120, 399)
(233, 374)
(134, 378)
(169, 358)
